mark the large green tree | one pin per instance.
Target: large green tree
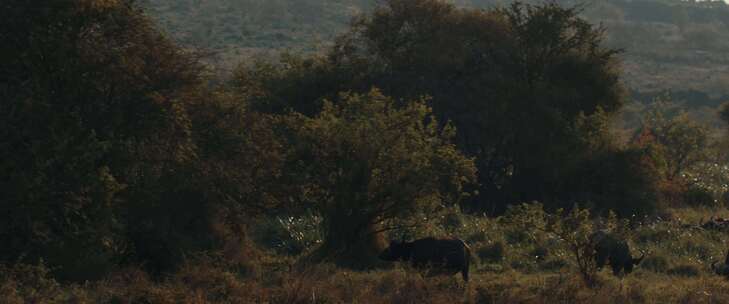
(368, 166)
(518, 83)
(92, 120)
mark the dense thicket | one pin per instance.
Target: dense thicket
(369, 166)
(671, 44)
(530, 90)
(92, 117)
(112, 150)
(116, 150)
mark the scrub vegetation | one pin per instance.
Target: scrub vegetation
(134, 172)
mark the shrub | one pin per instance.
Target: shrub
(684, 270)
(575, 229)
(654, 234)
(553, 264)
(539, 252)
(453, 220)
(492, 253)
(477, 237)
(23, 283)
(699, 197)
(290, 235)
(655, 263)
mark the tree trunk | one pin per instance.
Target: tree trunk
(352, 241)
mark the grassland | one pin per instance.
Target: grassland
(518, 262)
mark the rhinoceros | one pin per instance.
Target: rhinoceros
(438, 256)
(609, 248)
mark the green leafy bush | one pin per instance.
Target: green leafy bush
(698, 196)
(655, 263)
(492, 253)
(290, 235)
(684, 270)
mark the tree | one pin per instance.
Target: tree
(682, 142)
(513, 81)
(92, 123)
(367, 165)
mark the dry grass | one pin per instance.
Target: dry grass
(326, 284)
(676, 271)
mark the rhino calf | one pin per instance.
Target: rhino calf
(438, 256)
(609, 248)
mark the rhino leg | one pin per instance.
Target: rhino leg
(600, 258)
(616, 268)
(464, 271)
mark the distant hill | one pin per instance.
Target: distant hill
(670, 45)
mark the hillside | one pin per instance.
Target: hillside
(676, 45)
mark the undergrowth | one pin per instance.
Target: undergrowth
(521, 259)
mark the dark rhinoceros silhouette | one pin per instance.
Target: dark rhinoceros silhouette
(438, 256)
(615, 251)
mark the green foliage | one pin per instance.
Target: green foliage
(698, 196)
(366, 166)
(676, 45)
(290, 234)
(624, 181)
(655, 263)
(113, 149)
(93, 117)
(115, 152)
(488, 73)
(684, 270)
(494, 252)
(710, 180)
(22, 283)
(576, 230)
(682, 142)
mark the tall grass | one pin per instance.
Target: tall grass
(520, 261)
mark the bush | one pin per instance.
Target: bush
(453, 220)
(22, 283)
(576, 229)
(492, 253)
(477, 237)
(697, 196)
(290, 235)
(622, 181)
(539, 252)
(553, 264)
(684, 270)
(655, 263)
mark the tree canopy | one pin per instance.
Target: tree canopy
(368, 166)
(516, 83)
(93, 125)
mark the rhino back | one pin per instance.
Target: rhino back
(448, 253)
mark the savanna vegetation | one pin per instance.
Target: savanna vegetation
(672, 46)
(133, 172)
